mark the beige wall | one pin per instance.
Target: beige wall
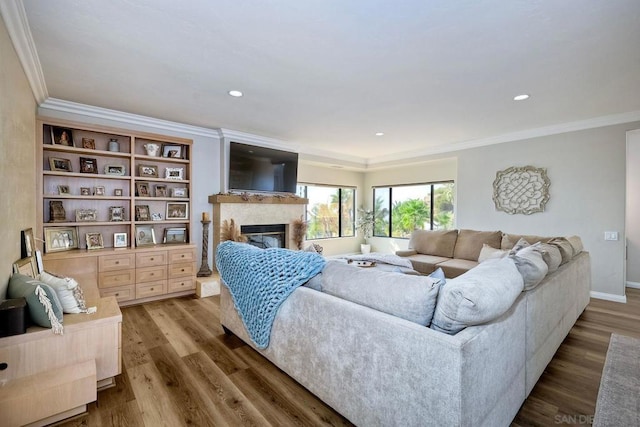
(17, 165)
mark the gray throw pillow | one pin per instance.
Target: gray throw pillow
(42, 301)
(552, 256)
(530, 264)
(566, 250)
(480, 295)
(409, 297)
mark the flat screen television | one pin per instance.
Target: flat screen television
(262, 169)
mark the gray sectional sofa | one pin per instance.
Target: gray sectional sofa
(379, 369)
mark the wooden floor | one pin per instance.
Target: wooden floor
(180, 369)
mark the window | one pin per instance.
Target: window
(400, 210)
(330, 212)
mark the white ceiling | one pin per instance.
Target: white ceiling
(327, 74)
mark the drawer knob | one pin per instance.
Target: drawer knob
(153, 274)
(182, 269)
(3, 366)
(182, 255)
(117, 294)
(182, 284)
(151, 259)
(151, 288)
(117, 262)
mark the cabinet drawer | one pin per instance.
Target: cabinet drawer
(149, 259)
(149, 274)
(122, 293)
(182, 255)
(183, 284)
(151, 289)
(182, 269)
(116, 262)
(110, 279)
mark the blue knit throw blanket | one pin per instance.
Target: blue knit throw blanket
(260, 280)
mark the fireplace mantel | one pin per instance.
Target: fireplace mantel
(257, 198)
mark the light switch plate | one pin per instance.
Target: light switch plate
(610, 235)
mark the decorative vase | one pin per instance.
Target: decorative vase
(114, 145)
(365, 248)
(152, 149)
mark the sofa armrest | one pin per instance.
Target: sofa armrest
(406, 253)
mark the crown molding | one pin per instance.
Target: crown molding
(61, 105)
(15, 19)
(412, 156)
(264, 141)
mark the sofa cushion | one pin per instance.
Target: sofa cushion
(426, 264)
(478, 296)
(530, 264)
(434, 242)
(455, 267)
(408, 252)
(409, 297)
(566, 250)
(509, 240)
(488, 252)
(552, 256)
(576, 244)
(469, 243)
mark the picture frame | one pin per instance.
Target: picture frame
(89, 143)
(119, 240)
(26, 266)
(63, 190)
(85, 191)
(118, 192)
(88, 165)
(172, 151)
(86, 215)
(142, 189)
(94, 241)
(177, 210)
(61, 136)
(148, 171)
(174, 173)
(175, 235)
(60, 239)
(142, 213)
(116, 213)
(145, 235)
(156, 216)
(39, 263)
(181, 192)
(60, 164)
(114, 170)
(28, 243)
(56, 211)
(99, 190)
(161, 190)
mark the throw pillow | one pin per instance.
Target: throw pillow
(488, 252)
(469, 243)
(576, 244)
(552, 256)
(530, 265)
(566, 250)
(439, 275)
(68, 292)
(44, 307)
(409, 297)
(480, 295)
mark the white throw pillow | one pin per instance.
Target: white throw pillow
(488, 252)
(65, 288)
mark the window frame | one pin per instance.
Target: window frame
(340, 189)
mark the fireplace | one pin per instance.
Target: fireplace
(265, 236)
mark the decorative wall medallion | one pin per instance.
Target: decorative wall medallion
(521, 190)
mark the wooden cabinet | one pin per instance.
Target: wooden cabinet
(49, 377)
(108, 185)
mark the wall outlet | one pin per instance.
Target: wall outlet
(610, 235)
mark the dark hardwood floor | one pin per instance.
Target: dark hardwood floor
(180, 369)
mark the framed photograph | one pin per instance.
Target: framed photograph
(119, 240)
(145, 235)
(142, 188)
(61, 136)
(88, 165)
(56, 211)
(63, 189)
(177, 210)
(94, 241)
(173, 151)
(60, 165)
(28, 244)
(142, 213)
(39, 261)
(148, 171)
(161, 190)
(118, 192)
(86, 215)
(116, 213)
(175, 235)
(89, 143)
(98, 190)
(85, 191)
(180, 192)
(174, 173)
(26, 266)
(156, 216)
(114, 170)
(60, 238)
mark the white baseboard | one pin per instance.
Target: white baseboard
(609, 297)
(634, 285)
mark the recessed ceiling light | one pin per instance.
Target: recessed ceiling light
(235, 93)
(379, 133)
(521, 97)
